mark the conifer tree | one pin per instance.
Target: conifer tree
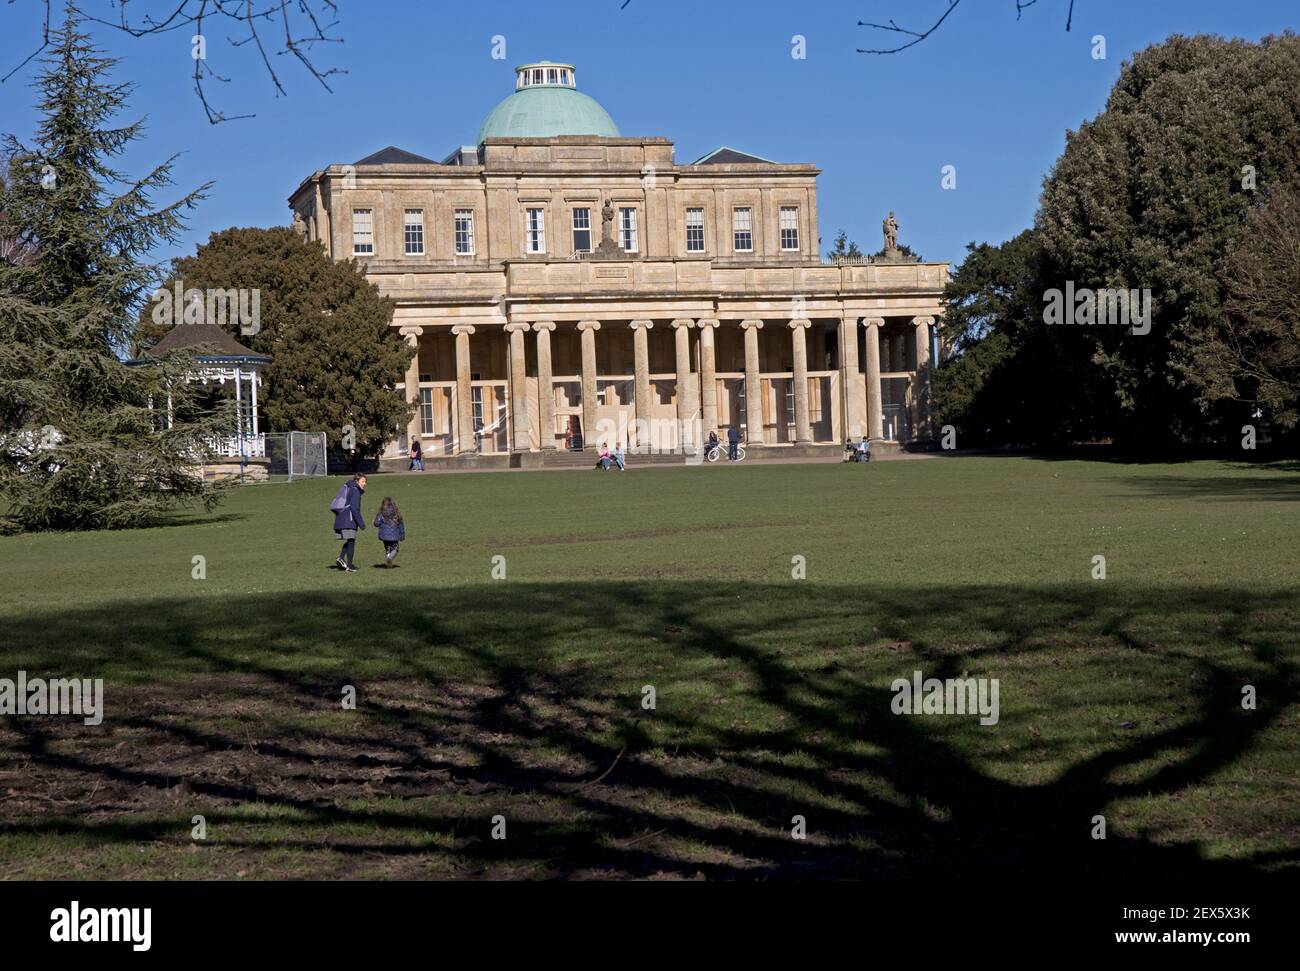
(80, 444)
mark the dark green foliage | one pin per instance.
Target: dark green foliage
(1252, 358)
(335, 357)
(79, 445)
(844, 248)
(1153, 193)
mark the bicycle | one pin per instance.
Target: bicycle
(721, 450)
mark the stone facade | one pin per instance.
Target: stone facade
(709, 295)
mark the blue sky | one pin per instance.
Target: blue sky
(987, 94)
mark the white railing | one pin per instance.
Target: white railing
(232, 446)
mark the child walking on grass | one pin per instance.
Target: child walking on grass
(392, 529)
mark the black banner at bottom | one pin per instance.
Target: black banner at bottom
(331, 920)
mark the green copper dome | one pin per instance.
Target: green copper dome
(546, 102)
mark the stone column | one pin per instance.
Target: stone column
(641, 369)
(922, 395)
(518, 388)
(545, 385)
(412, 389)
(855, 404)
(588, 330)
(708, 377)
(753, 384)
(688, 408)
(799, 342)
(875, 412)
(464, 402)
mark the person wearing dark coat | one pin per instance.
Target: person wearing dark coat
(348, 520)
(392, 528)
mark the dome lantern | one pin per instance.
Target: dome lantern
(545, 72)
(546, 103)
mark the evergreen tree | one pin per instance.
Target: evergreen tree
(335, 357)
(1252, 358)
(844, 248)
(1155, 193)
(80, 446)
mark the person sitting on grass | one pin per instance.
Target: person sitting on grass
(619, 459)
(392, 529)
(603, 460)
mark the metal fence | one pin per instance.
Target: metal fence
(296, 454)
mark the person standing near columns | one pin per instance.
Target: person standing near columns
(799, 347)
(641, 374)
(875, 412)
(545, 385)
(588, 330)
(518, 389)
(753, 384)
(466, 442)
(412, 390)
(688, 409)
(922, 397)
(708, 376)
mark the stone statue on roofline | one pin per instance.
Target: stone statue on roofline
(890, 227)
(299, 226)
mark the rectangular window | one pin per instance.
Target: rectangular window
(413, 225)
(552, 76)
(464, 232)
(426, 411)
(363, 232)
(742, 230)
(627, 229)
(789, 227)
(582, 230)
(535, 230)
(695, 230)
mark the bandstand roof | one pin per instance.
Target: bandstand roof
(216, 345)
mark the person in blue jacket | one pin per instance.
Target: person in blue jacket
(392, 528)
(348, 520)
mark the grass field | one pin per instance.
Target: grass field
(522, 697)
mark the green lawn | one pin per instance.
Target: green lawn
(522, 696)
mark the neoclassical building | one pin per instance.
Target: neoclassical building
(567, 285)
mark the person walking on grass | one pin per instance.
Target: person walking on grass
(348, 519)
(392, 529)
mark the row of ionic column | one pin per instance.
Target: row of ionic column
(693, 401)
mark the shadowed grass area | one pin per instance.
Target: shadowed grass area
(523, 697)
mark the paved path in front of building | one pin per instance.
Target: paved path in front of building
(436, 467)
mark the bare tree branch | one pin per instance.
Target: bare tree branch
(306, 23)
(917, 36)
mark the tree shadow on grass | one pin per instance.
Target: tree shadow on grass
(772, 702)
(1254, 488)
